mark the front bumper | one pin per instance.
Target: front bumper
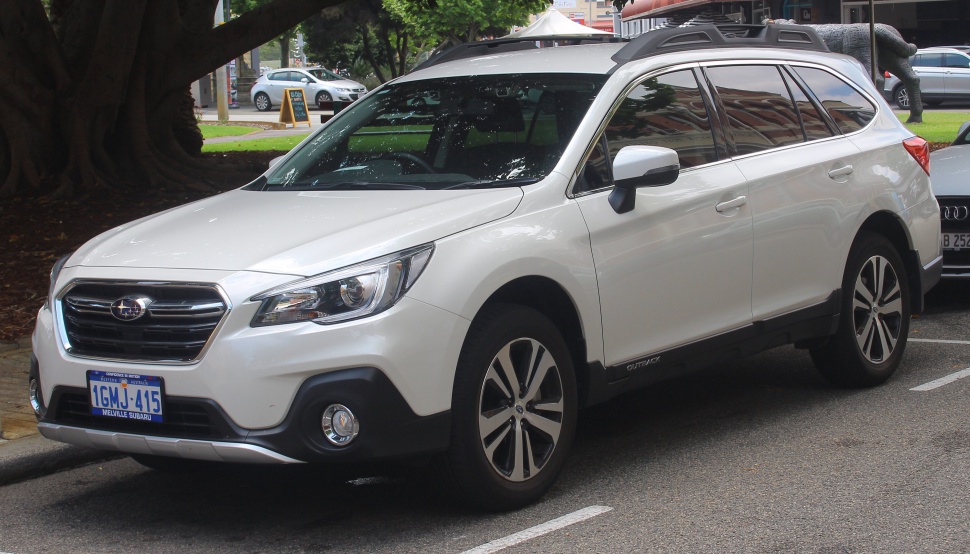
(200, 429)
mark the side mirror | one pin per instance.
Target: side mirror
(963, 136)
(641, 166)
(304, 80)
(276, 160)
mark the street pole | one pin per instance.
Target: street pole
(872, 38)
(222, 105)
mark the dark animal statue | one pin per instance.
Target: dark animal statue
(892, 54)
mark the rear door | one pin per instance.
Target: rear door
(932, 75)
(957, 77)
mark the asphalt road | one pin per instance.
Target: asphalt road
(758, 456)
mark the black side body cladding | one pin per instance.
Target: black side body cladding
(813, 322)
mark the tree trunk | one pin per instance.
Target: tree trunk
(96, 94)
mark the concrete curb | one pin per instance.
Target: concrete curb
(35, 456)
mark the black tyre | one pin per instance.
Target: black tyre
(262, 102)
(175, 465)
(874, 322)
(323, 96)
(513, 410)
(901, 97)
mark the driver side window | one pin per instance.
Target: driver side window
(667, 110)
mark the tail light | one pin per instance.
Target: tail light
(887, 74)
(919, 149)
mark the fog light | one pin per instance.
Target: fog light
(340, 426)
(33, 393)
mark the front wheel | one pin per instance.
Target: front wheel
(901, 97)
(262, 102)
(874, 322)
(513, 410)
(323, 97)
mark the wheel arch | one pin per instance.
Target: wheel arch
(549, 298)
(889, 226)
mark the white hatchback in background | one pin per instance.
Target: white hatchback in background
(451, 268)
(320, 86)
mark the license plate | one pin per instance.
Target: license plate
(956, 241)
(125, 396)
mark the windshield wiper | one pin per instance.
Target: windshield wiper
(346, 185)
(495, 183)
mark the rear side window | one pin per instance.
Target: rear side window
(850, 110)
(812, 121)
(667, 111)
(758, 105)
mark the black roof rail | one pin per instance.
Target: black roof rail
(503, 45)
(677, 39)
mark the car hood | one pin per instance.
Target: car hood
(950, 171)
(295, 233)
(343, 83)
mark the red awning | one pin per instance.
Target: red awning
(655, 8)
(603, 26)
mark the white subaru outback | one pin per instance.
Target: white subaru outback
(454, 266)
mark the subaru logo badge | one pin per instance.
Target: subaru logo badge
(130, 308)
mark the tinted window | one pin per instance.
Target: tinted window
(812, 121)
(667, 111)
(850, 110)
(278, 76)
(928, 60)
(758, 105)
(956, 60)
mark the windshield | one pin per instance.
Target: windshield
(323, 75)
(459, 132)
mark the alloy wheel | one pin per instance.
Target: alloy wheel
(877, 309)
(520, 410)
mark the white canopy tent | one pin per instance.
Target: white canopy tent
(554, 24)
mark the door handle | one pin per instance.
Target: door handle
(841, 172)
(731, 204)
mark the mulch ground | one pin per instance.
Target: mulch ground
(35, 232)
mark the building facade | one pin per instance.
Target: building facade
(923, 22)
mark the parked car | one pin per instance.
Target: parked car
(449, 269)
(951, 184)
(319, 86)
(944, 75)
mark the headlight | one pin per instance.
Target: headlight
(55, 271)
(342, 89)
(349, 293)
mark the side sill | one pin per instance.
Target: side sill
(813, 322)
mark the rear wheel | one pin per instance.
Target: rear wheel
(901, 97)
(513, 410)
(262, 101)
(874, 321)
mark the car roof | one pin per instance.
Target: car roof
(590, 55)
(948, 49)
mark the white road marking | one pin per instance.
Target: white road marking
(539, 530)
(943, 381)
(941, 341)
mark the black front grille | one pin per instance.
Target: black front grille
(176, 323)
(181, 419)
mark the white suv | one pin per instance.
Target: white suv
(944, 75)
(454, 266)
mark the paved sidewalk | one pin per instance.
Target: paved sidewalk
(16, 416)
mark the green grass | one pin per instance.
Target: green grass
(937, 126)
(275, 143)
(211, 131)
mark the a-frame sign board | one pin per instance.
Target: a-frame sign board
(294, 108)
